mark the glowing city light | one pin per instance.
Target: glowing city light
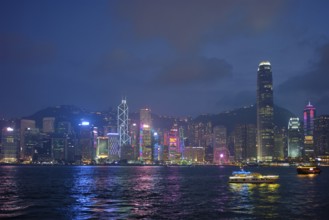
(10, 129)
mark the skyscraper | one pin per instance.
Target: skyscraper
(321, 135)
(124, 138)
(145, 145)
(294, 138)
(220, 151)
(265, 126)
(309, 115)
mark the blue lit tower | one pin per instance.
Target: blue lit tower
(294, 138)
(124, 138)
(265, 126)
(309, 115)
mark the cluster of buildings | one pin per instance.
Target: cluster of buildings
(184, 141)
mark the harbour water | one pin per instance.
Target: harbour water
(151, 192)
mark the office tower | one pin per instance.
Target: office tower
(59, 144)
(195, 155)
(114, 147)
(294, 138)
(124, 138)
(181, 141)
(156, 147)
(9, 145)
(64, 127)
(85, 143)
(309, 115)
(265, 133)
(32, 141)
(245, 142)
(321, 135)
(221, 154)
(145, 145)
(280, 143)
(25, 125)
(134, 140)
(102, 151)
(48, 125)
(174, 149)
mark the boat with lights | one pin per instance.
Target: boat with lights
(308, 170)
(249, 177)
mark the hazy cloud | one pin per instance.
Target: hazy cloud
(311, 85)
(19, 49)
(195, 70)
(185, 22)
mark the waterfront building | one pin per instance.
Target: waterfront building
(114, 147)
(102, 150)
(85, 143)
(265, 125)
(25, 124)
(309, 115)
(145, 136)
(220, 151)
(9, 151)
(32, 142)
(59, 145)
(194, 155)
(280, 143)
(294, 138)
(134, 139)
(124, 138)
(245, 142)
(321, 135)
(174, 145)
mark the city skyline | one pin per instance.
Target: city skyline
(174, 59)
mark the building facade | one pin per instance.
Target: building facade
(294, 138)
(309, 115)
(265, 125)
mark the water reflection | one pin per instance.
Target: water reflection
(11, 203)
(98, 193)
(255, 199)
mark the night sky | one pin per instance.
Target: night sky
(178, 58)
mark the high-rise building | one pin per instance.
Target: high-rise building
(265, 125)
(245, 142)
(145, 136)
(309, 115)
(48, 125)
(174, 149)
(102, 151)
(25, 125)
(114, 148)
(86, 143)
(294, 138)
(221, 153)
(321, 135)
(9, 145)
(280, 143)
(194, 154)
(124, 138)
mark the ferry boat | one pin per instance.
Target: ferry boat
(249, 177)
(308, 170)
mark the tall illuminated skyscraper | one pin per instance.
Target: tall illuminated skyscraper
(265, 125)
(309, 115)
(124, 138)
(294, 138)
(145, 138)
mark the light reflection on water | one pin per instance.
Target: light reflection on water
(143, 192)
